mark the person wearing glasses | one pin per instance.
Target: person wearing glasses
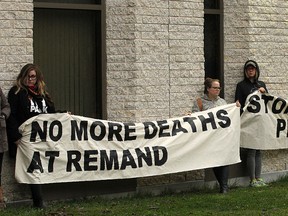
(27, 98)
(209, 100)
(248, 85)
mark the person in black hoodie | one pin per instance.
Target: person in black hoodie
(27, 98)
(248, 85)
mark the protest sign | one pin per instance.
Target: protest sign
(264, 122)
(69, 148)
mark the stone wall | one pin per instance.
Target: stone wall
(256, 30)
(154, 54)
(16, 38)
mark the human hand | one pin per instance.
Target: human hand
(238, 103)
(188, 113)
(17, 142)
(262, 90)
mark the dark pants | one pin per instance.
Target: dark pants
(222, 173)
(254, 163)
(36, 191)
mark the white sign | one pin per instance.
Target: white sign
(69, 148)
(264, 122)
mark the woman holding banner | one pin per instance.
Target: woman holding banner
(27, 98)
(248, 85)
(210, 100)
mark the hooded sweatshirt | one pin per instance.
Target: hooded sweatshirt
(246, 87)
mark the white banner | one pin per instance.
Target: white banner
(264, 122)
(68, 148)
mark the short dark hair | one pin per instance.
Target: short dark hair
(208, 83)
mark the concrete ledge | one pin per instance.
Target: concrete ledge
(19, 203)
(201, 184)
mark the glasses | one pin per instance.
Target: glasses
(31, 77)
(218, 88)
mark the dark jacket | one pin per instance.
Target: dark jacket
(24, 105)
(5, 112)
(246, 87)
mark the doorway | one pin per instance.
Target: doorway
(67, 48)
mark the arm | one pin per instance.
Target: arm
(262, 87)
(239, 98)
(5, 106)
(237, 94)
(12, 121)
(195, 107)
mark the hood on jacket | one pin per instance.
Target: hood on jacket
(254, 64)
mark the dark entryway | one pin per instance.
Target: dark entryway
(213, 40)
(68, 49)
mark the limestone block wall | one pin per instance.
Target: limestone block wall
(154, 55)
(258, 30)
(16, 49)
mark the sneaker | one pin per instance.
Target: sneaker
(254, 183)
(224, 189)
(261, 182)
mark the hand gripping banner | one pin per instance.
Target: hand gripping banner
(69, 148)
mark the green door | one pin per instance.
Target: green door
(67, 47)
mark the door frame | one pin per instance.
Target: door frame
(102, 8)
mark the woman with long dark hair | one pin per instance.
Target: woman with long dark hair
(27, 98)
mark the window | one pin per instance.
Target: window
(213, 40)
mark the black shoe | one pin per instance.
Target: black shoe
(39, 205)
(224, 189)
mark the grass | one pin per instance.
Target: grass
(271, 200)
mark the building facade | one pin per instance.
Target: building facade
(151, 59)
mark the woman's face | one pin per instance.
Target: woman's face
(31, 78)
(250, 72)
(214, 90)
